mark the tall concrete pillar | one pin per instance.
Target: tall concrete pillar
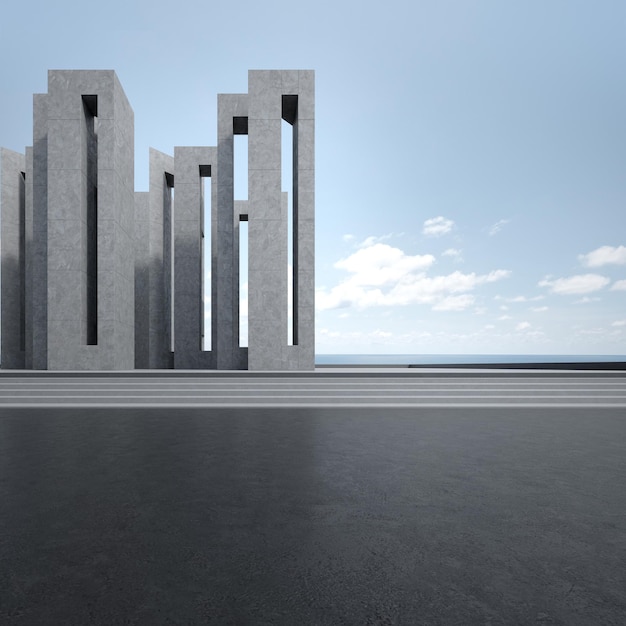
(13, 259)
(232, 112)
(192, 165)
(90, 231)
(28, 304)
(37, 176)
(142, 279)
(302, 353)
(153, 266)
(275, 95)
(110, 279)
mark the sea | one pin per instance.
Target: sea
(458, 359)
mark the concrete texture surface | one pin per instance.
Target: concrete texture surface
(92, 280)
(13, 258)
(37, 176)
(89, 163)
(268, 348)
(192, 164)
(313, 516)
(154, 267)
(311, 389)
(232, 118)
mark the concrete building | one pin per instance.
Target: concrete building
(153, 266)
(13, 246)
(98, 277)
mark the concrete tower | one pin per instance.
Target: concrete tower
(97, 277)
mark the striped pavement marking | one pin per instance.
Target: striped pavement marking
(367, 390)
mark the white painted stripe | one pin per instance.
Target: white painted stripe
(315, 384)
(339, 380)
(321, 405)
(374, 393)
(313, 399)
(311, 392)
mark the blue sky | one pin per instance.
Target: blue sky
(470, 155)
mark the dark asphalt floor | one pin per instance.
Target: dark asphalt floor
(313, 516)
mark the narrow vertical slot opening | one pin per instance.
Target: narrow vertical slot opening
(168, 240)
(22, 259)
(90, 106)
(240, 192)
(289, 184)
(286, 186)
(240, 159)
(205, 259)
(243, 281)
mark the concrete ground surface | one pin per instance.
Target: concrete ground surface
(286, 515)
(345, 387)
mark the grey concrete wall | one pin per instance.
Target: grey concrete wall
(28, 304)
(162, 169)
(267, 244)
(304, 223)
(188, 247)
(232, 113)
(267, 276)
(99, 280)
(39, 253)
(153, 266)
(72, 175)
(13, 259)
(142, 279)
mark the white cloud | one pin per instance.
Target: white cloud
(382, 275)
(367, 242)
(522, 299)
(341, 338)
(370, 241)
(452, 252)
(592, 331)
(437, 226)
(380, 264)
(619, 323)
(586, 300)
(538, 309)
(454, 303)
(604, 255)
(348, 238)
(497, 227)
(522, 326)
(582, 283)
(381, 334)
(504, 317)
(619, 285)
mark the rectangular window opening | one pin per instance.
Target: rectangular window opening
(90, 225)
(168, 239)
(243, 281)
(22, 259)
(289, 184)
(240, 166)
(205, 260)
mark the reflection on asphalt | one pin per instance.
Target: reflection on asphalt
(312, 516)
